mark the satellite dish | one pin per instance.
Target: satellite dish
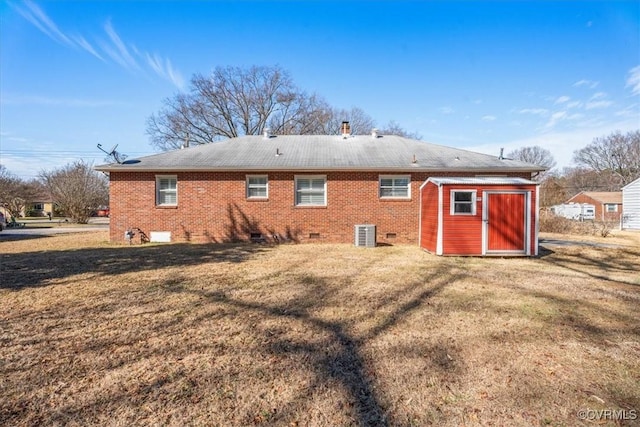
(111, 153)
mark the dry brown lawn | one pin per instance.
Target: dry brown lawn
(319, 335)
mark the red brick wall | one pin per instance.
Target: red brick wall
(212, 207)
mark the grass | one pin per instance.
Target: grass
(321, 335)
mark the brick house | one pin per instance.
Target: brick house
(303, 188)
(608, 204)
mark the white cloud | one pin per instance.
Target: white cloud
(555, 118)
(41, 21)
(488, 118)
(118, 50)
(632, 110)
(574, 104)
(113, 48)
(597, 104)
(586, 83)
(446, 110)
(598, 95)
(633, 80)
(84, 44)
(164, 68)
(536, 111)
(562, 100)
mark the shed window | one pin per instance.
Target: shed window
(398, 187)
(611, 207)
(311, 190)
(257, 186)
(463, 202)
(166, 190)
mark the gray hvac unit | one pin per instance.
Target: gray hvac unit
(366, 235)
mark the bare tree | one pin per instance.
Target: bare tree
(585, 179)
(617, 154)
(553, 190)
(233, 101)
(360, 122)
(16, 193)
(77, 189)
(534, 155)
(394, 128)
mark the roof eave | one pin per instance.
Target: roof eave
(110, 168)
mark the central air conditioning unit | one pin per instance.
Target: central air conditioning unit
(366, 235)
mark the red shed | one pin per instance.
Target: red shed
(479, 216)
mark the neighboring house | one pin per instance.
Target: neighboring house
(302, 188)
(608, 204)
(40, 208)
(33, 208)
(631, 205)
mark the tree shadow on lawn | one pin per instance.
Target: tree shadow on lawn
(607, 261)
(33, 269)
(593, 325)
(336, 360)
(339, 357)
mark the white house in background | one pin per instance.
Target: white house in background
(631, 205)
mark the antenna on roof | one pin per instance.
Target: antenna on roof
(112, 154)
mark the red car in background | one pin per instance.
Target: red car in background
(102, 211)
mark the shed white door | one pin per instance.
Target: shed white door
(506, 220)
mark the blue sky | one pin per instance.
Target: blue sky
(474, 75)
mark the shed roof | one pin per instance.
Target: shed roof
(489, 180)
(319, 153)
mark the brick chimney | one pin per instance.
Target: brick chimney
(345, 129)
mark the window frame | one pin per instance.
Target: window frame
(613, 206)
(160, 191)
(296, 191)
(394, 186)
(472, 202)
(250, 186)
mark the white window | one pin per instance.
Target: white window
(257, 186)
(311, 190)
(395, 186)
(166, 190)
(610, 207)
(463, 202)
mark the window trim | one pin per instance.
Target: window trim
(614, 207)
(473, 202)
(158, 190)
(394, 177)
(248, 187)
(309, 177)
